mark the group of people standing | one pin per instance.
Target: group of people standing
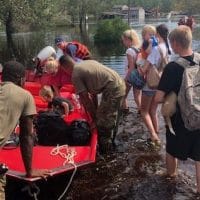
(153, 49)
(159, 44)
(74, 64)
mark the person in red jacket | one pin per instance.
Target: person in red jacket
(74, 49)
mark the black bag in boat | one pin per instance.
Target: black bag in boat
(80, 132)
(52, 130)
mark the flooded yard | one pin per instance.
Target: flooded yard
(134, 171)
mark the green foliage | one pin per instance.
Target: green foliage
(190, 6)
(18, 9)
(110, 31)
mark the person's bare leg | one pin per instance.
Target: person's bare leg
(145, 106)
(154, 115)
(137, 97)
(197, 166)
(125, 103)
(171, 165)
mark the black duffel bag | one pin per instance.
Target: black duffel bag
(52, 130)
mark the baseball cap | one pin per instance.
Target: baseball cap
(58, 39)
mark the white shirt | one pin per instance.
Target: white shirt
(132, 53)
(154, 57)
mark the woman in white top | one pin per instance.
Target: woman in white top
(131, 41)
(148, 107)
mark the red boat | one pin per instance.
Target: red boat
(59, 160)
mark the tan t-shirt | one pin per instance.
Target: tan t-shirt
(14, 103)
(94, 77)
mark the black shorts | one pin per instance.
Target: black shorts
(184, 144)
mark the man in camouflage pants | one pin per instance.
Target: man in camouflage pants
(91, 78)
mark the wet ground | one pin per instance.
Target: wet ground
(135, 171)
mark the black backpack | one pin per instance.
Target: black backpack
(52, 130)
(80, 132)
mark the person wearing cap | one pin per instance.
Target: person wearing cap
(17, 106)
(74, 49)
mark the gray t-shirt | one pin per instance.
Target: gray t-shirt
(14, 103)
(94, 77)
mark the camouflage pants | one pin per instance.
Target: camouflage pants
(107, 113)
(2, 185)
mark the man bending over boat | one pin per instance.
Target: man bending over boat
(17, 105)
(91, 78)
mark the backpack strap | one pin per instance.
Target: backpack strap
(185, 63)
(196, 58)
(161, 53)
(137, 50)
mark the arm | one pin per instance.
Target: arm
(26, 142)
(88, 103)
(66, 108)
(149, 48)
(26, 147)
(143, 70)
(94, 98)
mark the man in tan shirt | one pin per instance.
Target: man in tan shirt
(91, 78)
(17, 106)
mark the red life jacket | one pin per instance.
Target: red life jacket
(82, 51)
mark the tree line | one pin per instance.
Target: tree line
(17, 14)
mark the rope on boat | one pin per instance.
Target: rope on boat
(68, 154)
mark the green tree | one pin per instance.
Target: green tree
(110, 31)
(42, 11)
(189, 6)
(10, 13)
(24, 12)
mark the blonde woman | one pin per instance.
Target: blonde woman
(131, 41)
(58, 76)
(148, 105)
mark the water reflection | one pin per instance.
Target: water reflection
(29, 44)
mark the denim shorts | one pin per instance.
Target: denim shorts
(148, 93)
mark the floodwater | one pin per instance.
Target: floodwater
(134, 171)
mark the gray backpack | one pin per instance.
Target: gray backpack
(189, 94)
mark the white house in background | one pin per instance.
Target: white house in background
(119, 8)
(124, 12)
(134, 12)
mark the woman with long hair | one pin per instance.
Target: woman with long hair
(148, 105)
(131, 41)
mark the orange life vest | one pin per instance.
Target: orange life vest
(82, 51)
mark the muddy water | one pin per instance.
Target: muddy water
(133, 171)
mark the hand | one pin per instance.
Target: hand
(150, 41)
(43, 173)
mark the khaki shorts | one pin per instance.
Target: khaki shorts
(2, 185)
